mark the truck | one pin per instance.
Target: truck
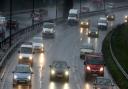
(93, 65)
(73, 17)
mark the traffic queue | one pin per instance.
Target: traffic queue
(94, 64)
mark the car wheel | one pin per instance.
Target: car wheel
(51, 78)
(67, 79)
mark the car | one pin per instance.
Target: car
(85, 24)
(102, 23)
(48, 30)
(94, 65)
(38, 44)
(59, 70)
(84, 9)
(13, 24)
(102, 83)
(2, 21)
(110, 17)
(93, 32)
(86, 49)
(126, 18)
(26, 52)
(36, 16)
(22, 75)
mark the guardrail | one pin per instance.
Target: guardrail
(17, 38)
(115, 59)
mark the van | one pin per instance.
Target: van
(73, 17)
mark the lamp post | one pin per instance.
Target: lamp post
(10, 17)
(56, 10)
(80, 7)
(33, 6)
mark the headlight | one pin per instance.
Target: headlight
(20, 57)
(15, 76)
(30, 57)
(29, 77)
(89, 32)
(42, 45)
(52, 72)
(96, 32)
(125, 20)
(88, 68)
(86, 23)
(101, 69)
(81, 22)
(66, 73)
(126, 16)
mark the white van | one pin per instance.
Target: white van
(26, 53)
(73, 16)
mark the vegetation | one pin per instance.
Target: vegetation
(117, 75)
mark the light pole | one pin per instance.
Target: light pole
(33, 6)
(80, 7)
(10, 31)
(56, 10)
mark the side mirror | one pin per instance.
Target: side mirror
(68, 67)
(18, 51)
(13, 71)
(33, 52)
(50, 66)
(84, 62)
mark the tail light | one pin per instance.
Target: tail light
(88, 68)
(101, 69)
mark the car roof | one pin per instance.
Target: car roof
(27, 44)
(22, 65)
(93, 29)
(48, 23)
(75, 11)
(103, 81)
(86, 45)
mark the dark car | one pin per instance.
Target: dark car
(59, 70)
(94, 65)
(110, 17)
(13, 24)
(22, 75)
(93, 32)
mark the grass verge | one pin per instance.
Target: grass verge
(117, 75)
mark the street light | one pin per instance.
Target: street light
(56, 10)
(33, 6)
(10, 32)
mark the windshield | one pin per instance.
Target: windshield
(23, 69)
(60, 65)
(95, 60)
(48, 25)
(72, 15)
(26, 50)
(37, 40)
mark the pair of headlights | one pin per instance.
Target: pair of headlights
(53, 72)
(15, 77)
(20, 57)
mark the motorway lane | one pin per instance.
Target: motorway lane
(65, 46)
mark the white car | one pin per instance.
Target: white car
(48, 29)
(86, 49)
(26, 53)
(38, 44)
(102, 23)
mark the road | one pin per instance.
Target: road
(65, 46)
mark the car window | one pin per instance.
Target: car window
(26, 50)
(60, 65)
(37, 40)
(95, 60)
(23, 69)
(48, 25)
